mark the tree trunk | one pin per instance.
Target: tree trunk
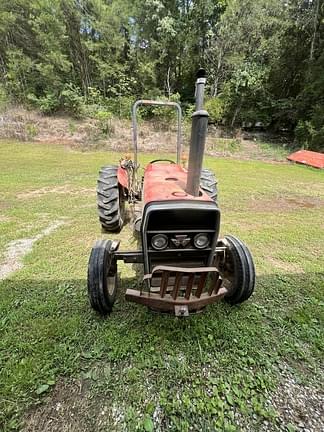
(168, 83)
(315, 24)
(216, 81)
(236, 112)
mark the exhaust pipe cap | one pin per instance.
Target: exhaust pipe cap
(201, 73)
(200, 113)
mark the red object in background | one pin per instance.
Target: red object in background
(307, 157)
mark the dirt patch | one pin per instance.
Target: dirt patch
(3, 204)
(71, 408)
(154, 135)
(65, 410)
(242, 149)
(17, 249)
(4, 219)
(85, 134)
(285, 266)
(65, 189)
(284, 204)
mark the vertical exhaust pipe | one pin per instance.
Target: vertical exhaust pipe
(198, 138)
(200, 89)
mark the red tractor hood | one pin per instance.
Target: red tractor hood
(165, 182)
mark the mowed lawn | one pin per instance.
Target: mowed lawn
(63, 368)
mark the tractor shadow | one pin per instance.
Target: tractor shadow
(52, 312)
(280, 299)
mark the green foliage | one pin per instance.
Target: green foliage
(19, 72)
(148, 425)
(264, 58)
(4, 99)
(104, 119)
(189, 110)
(72, 127)
(103, 116)
(310, 135)
(215, 108)
(260, 65)
(225, 146)
(47, 104)
(31, 131)
(164, 114)
(94, 96)
(120, 106)
(71, 100)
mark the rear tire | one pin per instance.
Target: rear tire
(237, 271)
(208, 183)
(102, 277)
(111, 205)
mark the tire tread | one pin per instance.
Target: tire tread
(208, 183)
(109, 199)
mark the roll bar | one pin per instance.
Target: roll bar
(155, 103)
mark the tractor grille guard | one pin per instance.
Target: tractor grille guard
(180, 289)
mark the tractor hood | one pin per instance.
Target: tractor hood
(167, 182)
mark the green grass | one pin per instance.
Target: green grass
(146, 371)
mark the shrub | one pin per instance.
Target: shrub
(72, 127)
(310, 137)
(72, 101)
(215, 108)
(119, 106)
(188, 111)
(47, 104)
(94, 96)
(162, 114)
(104, 119)
(4, 99)
(166, 114)
(31, 131)
(123, 106)
(69, 100)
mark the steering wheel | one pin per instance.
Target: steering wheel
(162, 160)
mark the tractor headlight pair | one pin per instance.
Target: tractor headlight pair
(160, 241)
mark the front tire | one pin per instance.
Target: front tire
(111, 205)
(102, 277)
(237, 270)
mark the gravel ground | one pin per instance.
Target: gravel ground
(300, 407)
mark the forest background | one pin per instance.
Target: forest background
(93, 58)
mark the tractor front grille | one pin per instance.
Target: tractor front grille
(183, 281)
(179, 289)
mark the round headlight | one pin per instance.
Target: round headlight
(159, 241)
(201, 241)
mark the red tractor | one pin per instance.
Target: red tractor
(177, 220)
